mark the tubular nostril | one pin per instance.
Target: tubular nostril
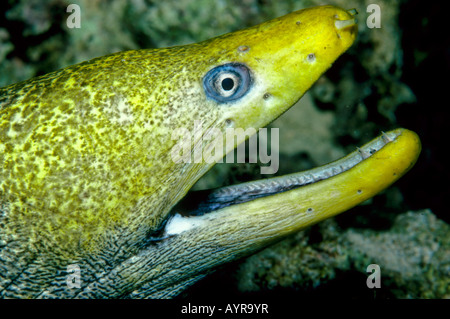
(352, 12)
(342, 24)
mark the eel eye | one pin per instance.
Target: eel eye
(227, 83)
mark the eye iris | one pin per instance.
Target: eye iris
(227, 84)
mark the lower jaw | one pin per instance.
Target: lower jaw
(364, 172)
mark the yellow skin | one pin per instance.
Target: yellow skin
(87, 178)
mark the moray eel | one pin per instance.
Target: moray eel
(88, 187)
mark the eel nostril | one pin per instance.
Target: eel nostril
(342, 24)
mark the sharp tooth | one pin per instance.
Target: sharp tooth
(301, 180)
(336, 170)
(386, 138)
(363, 153)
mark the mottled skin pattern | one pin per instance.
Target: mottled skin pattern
(86, 175)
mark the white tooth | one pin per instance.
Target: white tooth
(386, 138)
(363, 153)
(301, 180)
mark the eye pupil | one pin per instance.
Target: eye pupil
(227, 84)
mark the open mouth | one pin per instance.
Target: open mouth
(198, 203)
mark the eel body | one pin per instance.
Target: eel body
(88, 180)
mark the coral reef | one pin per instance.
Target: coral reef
(413, 255)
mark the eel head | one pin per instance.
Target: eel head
(96, 158)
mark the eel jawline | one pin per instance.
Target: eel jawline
(203, 202)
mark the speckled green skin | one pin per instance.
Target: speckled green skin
(85, 169)
(103, 119)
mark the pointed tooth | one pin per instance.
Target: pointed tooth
(363, 153)
(386, 137)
